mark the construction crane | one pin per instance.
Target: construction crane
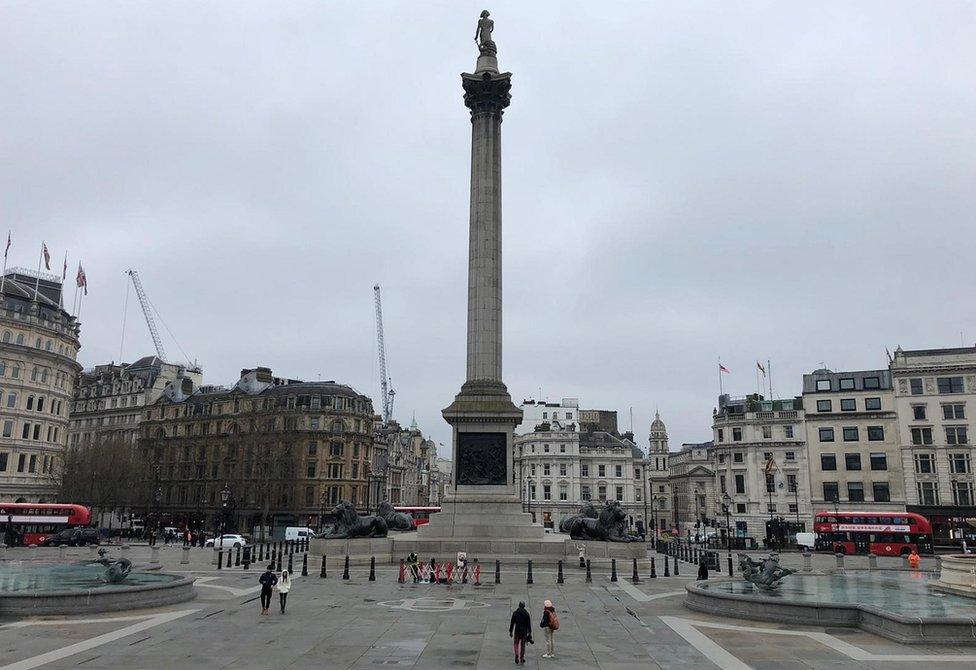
(147, 310)
(388, 393)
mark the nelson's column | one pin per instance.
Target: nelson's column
(484, 499)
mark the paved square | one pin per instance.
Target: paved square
(331, 623)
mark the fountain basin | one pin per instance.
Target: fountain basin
(32, 589)
(958, 575)
(900, 606)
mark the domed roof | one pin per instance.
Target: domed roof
(657, 424)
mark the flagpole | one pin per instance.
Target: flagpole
(720, 391)
(78, 315)
(37, 280)
(769, 376)
(3, 278)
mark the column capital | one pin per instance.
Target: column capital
(487, 93)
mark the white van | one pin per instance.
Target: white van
(806, 541)
(293, 533)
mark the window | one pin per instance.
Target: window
(881, 492)
(767, 456)
(618, 471)
(791, 483)
(601, 470)
(740, 508)
(602, 492)
(950, 385)
(959, 463)
(823, 384)
(848, 405)
(722, 481)
(32, 464)
(545, 415)
(545, 469)
(770, 508)
(563, 491)
(25, 433)
(823, 405)
(740, 484)
(928, 493)
(310, 470)
(875, 433)
(8, 428)
(545, 448)
(313, 448)
(872, 383)
(916, 385)
(767, 432)
(830, 491)
(786, 405)
(736, 434)
(335, 470)
(335, 449)
(562, 469)
(855, 491)
(828, 462)
(532, 469)
(620, 493)
(954, 411)
(826, 434)
(721, 435)
(847, 384)
(737, 457)
(852, 461)
(956, 435)
(637, 495)
(850, 434)
(925, 464)
(584, 470)
(872, 404)
(21, 462)
(918, 412)
(879, 462)
(562, 448)
(569, 415)
(770, 484)
(788, 432)
(547, 492)
(30, 402)
(3, 461)
(585, 492)
(962, 493)
(790, 456)
(921, 436)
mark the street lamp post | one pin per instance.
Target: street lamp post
(157, 497)
(727, 504)
(529, 495)
(224, 497)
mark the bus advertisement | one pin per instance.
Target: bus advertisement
(878, 533)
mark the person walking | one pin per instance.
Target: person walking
(550, 623)
(414, 562)
(520, 630)
(267, 581)
(284, 586)
(702, 568)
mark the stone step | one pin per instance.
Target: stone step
(475, 532)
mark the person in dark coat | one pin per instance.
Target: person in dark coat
(520, 630)
(268, 581)
(702, 569)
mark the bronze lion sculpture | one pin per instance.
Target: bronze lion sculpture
(609, 526)
(348, 523)
(394, 520)
(587, 511)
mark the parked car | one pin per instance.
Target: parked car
(229, 542)
(73, 537)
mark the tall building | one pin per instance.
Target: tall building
(108, 399)
(657, 470)
(760, 462)
(404, 475)
(547, 471)
(935, 399)
(693, 497)
(38, 351)
(286, 451)
(563, 415)
(852, 441)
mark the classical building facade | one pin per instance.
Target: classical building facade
(692, 486)
(760, 462)
(853, 447)
(38, 351)
(108, 399)
(563, 415)
(286, 451)
(402, 466)
(935, 399)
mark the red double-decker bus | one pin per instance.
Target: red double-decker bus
(421, 515)
(32, 523)
(879, 533)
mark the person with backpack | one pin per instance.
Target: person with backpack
(520, 630)
(550, 623)
(267, 581)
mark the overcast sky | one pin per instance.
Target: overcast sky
(682, 181)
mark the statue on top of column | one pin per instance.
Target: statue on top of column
(482, 35)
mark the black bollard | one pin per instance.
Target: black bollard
(220, 560)
(667, 568)
(260, 554)
(372, 568)
(589, 575)
(291, 567)
(498, 572)
(322, 573)
(305, 565)
(247, 557)
(676, 566)
(278, 566)
(559, 575)
(403, 569)
(345, 569)
(237, 558)
(613, 569)
(635, 577)
(653, 569)
(528, 577)
(730, 565)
